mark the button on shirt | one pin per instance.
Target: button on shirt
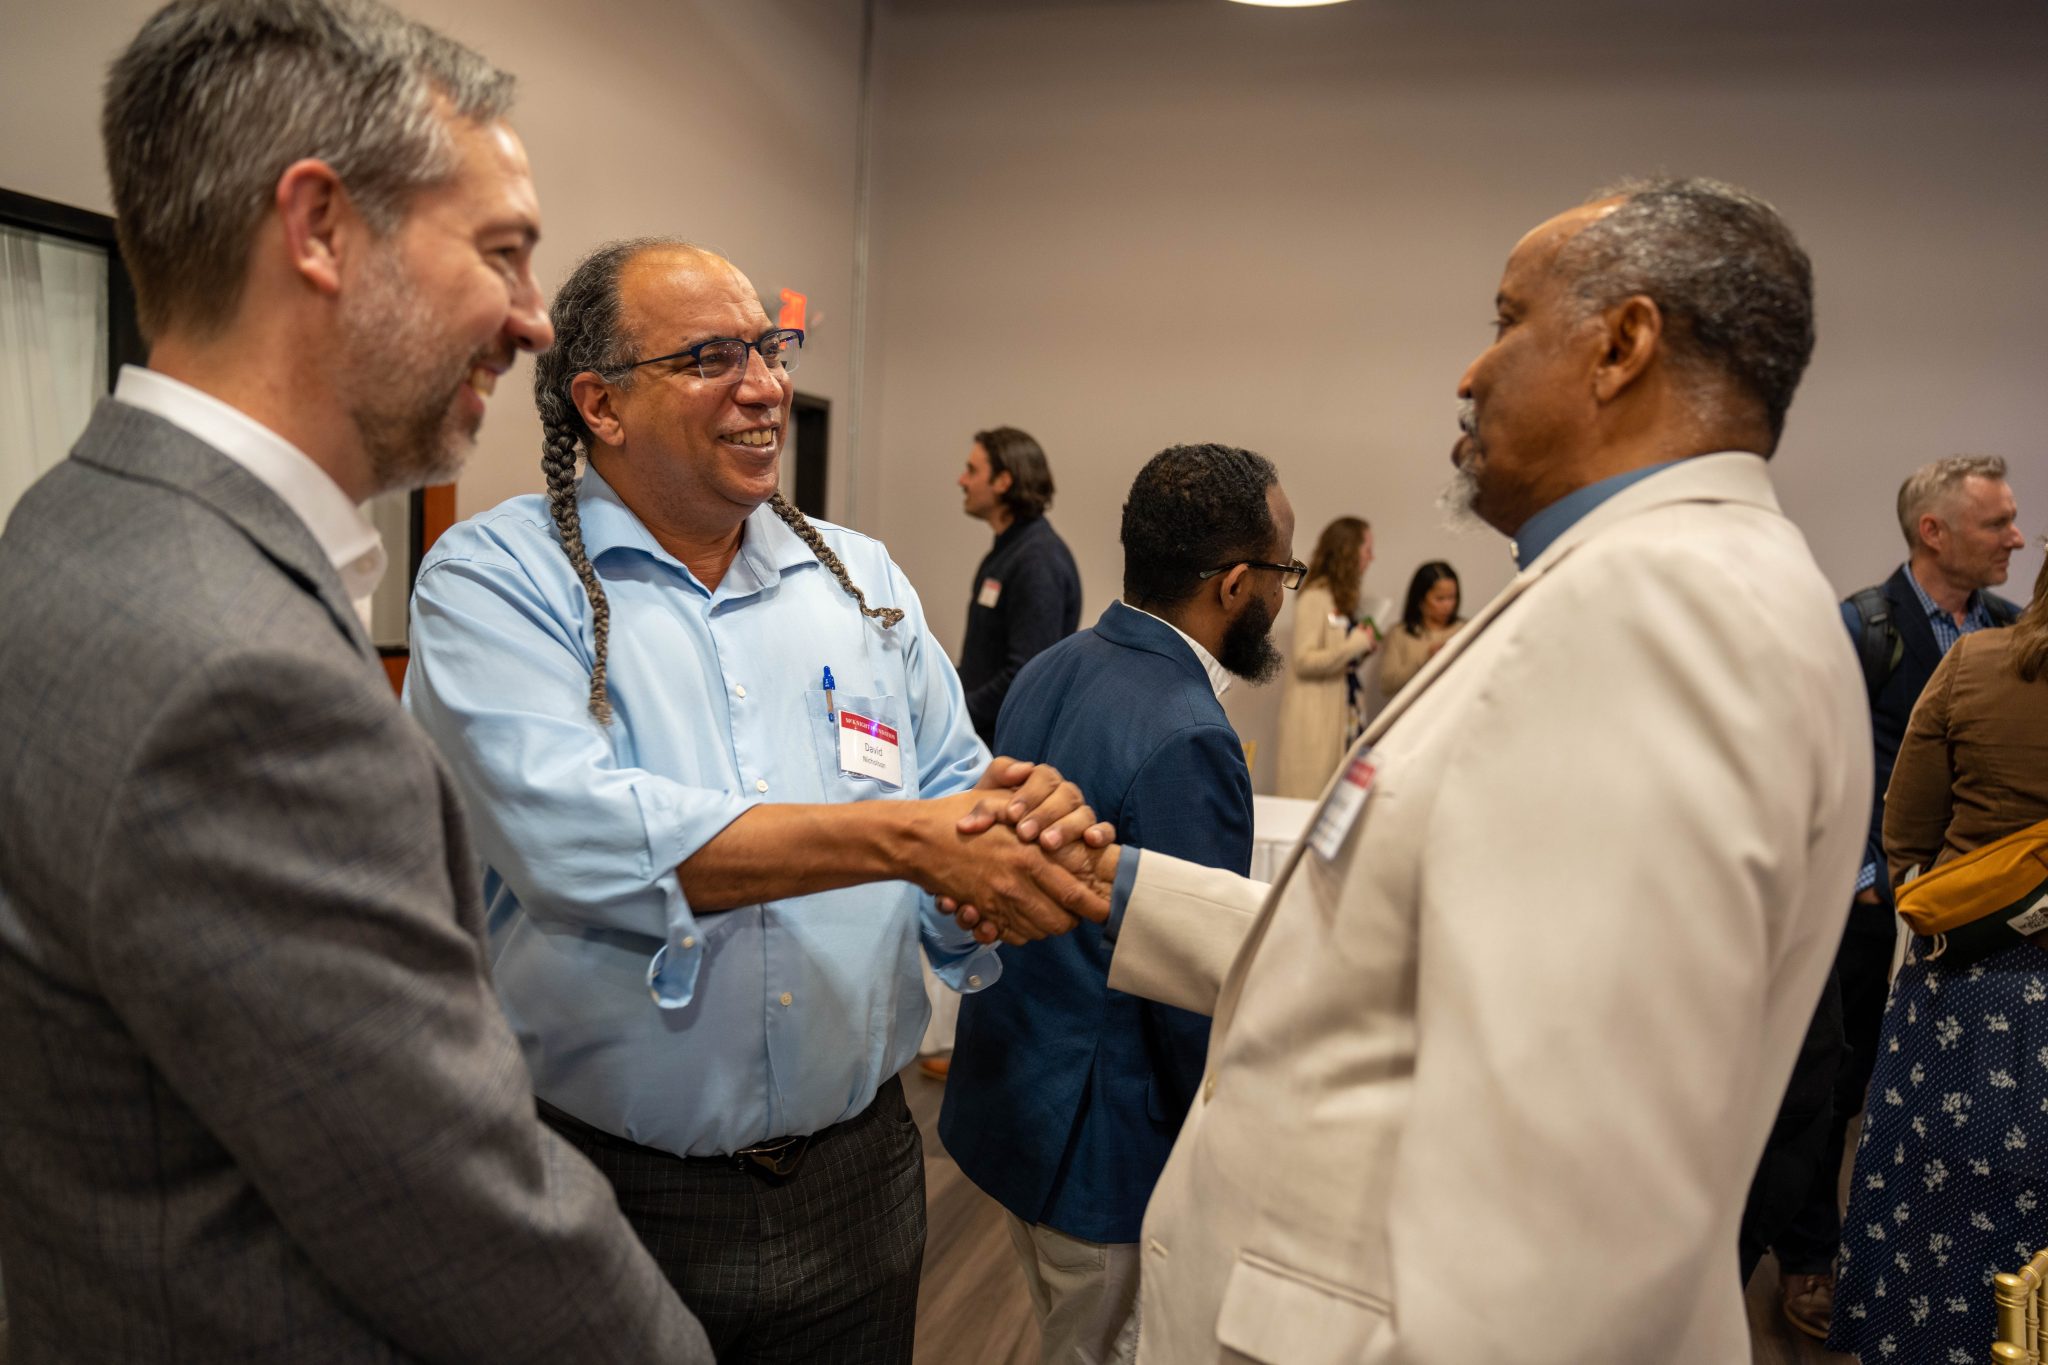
(696, 1035)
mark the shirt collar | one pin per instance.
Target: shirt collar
(1974, 610)
(343, 533)
(768, 547)
(1014, 532)
(1219, 677)
(1541, 531)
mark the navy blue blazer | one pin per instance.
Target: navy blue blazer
(1065, 1096)
(1892, 706)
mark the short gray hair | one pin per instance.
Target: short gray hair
(1733, 284)
(215, 98)
(1931, 486)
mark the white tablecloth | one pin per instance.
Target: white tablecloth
(1278, 823)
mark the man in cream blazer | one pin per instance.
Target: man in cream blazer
(1492, 1066)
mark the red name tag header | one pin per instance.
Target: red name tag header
(849, 721)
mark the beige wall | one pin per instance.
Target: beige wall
(1120, 225)
(1123, 223)
(733, 124)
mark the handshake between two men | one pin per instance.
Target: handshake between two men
(1040, 861)
(1018, 857)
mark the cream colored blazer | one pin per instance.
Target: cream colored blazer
(1491, 1085)
(1315, 711)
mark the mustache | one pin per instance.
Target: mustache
(1468, 417)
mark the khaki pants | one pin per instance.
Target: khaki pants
(1083, 1291)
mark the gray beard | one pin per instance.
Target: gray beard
(1460, 498)
(1458, 501)
(403, 384)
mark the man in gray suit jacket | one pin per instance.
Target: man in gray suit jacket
(257, 1102)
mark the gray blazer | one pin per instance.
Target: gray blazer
(257, 1101)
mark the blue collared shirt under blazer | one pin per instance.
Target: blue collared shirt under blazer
(1066, 1096)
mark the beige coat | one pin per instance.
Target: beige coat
(1491, 1083)
(1315, 713)
(1404, 655)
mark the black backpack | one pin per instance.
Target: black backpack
(1879, 647)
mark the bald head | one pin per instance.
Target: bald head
(663, 279)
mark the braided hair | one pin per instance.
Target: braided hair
(589, 337)
(799, 523)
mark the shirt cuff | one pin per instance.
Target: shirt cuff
(960, 963)
(1120, 893)
(672, 971)
(1866, 877)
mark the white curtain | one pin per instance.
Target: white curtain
(53, 352)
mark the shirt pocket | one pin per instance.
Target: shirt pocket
(825, 732)
(1278, 1315)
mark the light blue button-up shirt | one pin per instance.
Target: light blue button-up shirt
(694, 1034)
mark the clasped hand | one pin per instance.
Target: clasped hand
(1034, 859)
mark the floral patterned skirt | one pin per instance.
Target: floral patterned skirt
(1951, 1179)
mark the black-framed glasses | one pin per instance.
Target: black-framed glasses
(726, 357)
(1291, 575)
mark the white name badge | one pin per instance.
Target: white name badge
(1340, 812)
(2032, 919)
(990, 591)
(868, 748)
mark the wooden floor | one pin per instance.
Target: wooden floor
(972, 1308)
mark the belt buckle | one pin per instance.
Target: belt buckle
(777, 1158)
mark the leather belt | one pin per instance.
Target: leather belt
(778, 1157)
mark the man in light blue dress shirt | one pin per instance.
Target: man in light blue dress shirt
(707, 876)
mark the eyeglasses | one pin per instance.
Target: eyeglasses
(1290, 574)
(726, 357)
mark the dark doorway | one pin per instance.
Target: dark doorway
(812, 452)
(26, 213)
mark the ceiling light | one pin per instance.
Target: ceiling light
(1289, 4)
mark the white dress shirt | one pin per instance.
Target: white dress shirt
(344, 534)
(1219, 677)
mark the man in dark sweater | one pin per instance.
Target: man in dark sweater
(1027, 592)
(1961, 527)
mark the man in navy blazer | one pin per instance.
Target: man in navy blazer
(1066, 1096)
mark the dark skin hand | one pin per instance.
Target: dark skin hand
(1093, 863)
(991, 846)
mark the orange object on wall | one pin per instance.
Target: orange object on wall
(793, 309)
